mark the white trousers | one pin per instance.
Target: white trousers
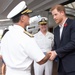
(47, 67)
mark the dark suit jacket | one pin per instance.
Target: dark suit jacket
(65, 47)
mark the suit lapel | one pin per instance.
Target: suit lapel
(58, 35)
(65, 28)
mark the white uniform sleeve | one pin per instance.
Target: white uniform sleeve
(52, 40)
(33, 50)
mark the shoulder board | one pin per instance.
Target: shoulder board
(30, 35)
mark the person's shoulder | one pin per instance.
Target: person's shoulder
(71, 19)
(71, 22)
(56, 28)
(51, 34)
(27, 33)
(72, 25)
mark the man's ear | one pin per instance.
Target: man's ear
(22, 18)
(62, 12)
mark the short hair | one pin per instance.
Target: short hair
(17, 17)
(58, 7)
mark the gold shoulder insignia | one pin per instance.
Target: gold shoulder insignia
(30, 35)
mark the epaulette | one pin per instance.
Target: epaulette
(30, 35)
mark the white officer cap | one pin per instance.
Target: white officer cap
(43, 21)
(19, 9)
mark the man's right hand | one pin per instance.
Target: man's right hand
(53, 54)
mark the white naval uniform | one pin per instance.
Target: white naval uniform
(18, 51)
(0, 48)
(45, 42)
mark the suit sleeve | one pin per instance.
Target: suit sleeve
(70, 46)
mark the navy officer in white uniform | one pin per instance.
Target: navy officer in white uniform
(18, 47)
(45, 41)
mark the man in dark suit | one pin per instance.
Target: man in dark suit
(64, 41)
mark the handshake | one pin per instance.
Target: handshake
(52, 55)
(48, 56)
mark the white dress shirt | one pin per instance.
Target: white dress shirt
(61, 28)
